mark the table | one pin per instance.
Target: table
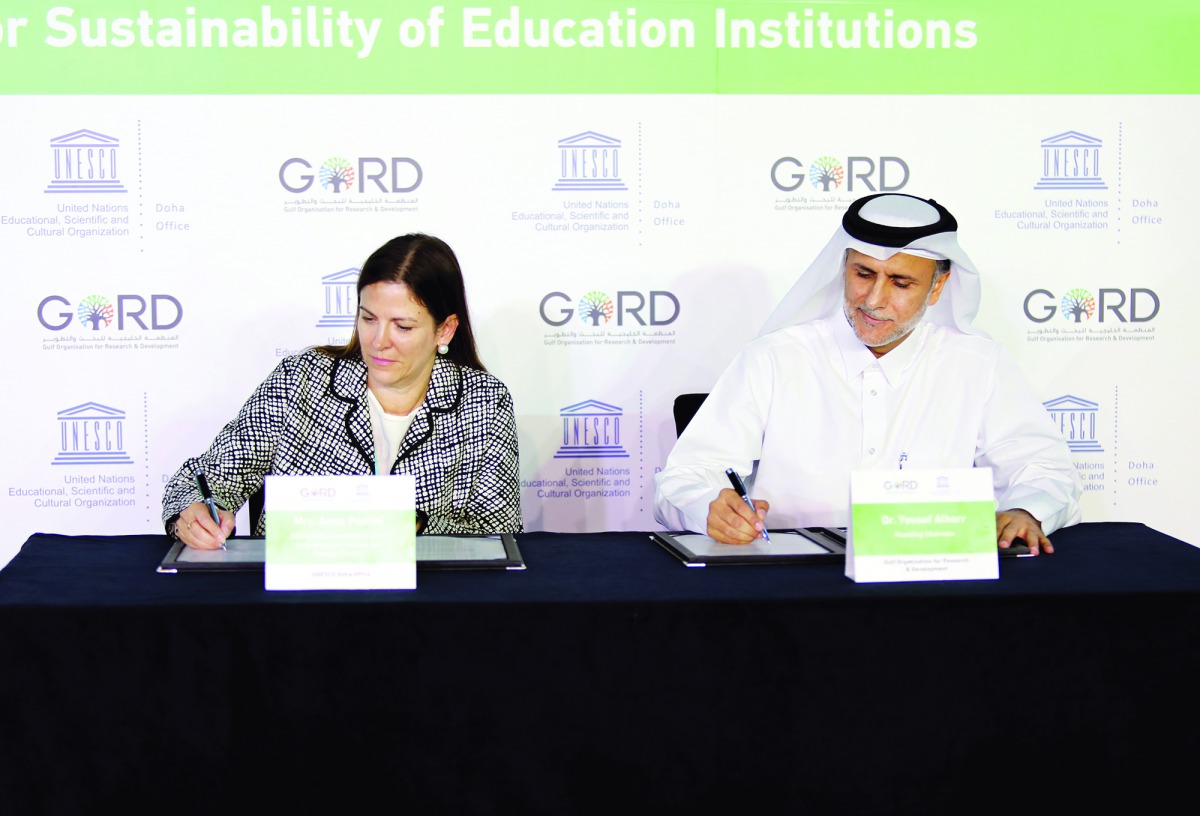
(605, 678)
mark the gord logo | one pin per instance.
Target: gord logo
(399, 174)
(653, 308)
(827, 174)
(96, 312)
(1134, 305)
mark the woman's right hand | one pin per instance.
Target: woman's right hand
(195, 527)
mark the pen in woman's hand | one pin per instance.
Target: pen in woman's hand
(202, 483)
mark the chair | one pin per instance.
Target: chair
(685, 408)
(256, 501)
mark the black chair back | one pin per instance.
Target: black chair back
(685, 408)
(256, 502)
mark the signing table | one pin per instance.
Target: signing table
(605, 678)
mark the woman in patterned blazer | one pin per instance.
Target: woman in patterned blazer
(407, 394)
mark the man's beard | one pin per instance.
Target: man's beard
(901, 330)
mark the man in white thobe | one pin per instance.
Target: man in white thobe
(871, 362)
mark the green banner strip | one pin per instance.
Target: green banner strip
(586, 47)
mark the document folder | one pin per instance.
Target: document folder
(433, 553)
(808, 545)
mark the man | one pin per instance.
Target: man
(871, 362)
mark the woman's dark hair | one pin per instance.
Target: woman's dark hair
(428, 267)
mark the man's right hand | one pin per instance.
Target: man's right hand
(730, 520)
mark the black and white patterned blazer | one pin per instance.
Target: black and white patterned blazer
(311, 416)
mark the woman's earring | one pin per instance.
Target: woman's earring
(443, 349)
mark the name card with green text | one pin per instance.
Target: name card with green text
(341, 532)
(922, 525)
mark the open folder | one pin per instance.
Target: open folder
(805, 545)
(433, 552)
(809, 545)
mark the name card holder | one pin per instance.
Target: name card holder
(922, 525)
(341, 532)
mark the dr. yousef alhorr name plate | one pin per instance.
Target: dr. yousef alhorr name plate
(922, 525)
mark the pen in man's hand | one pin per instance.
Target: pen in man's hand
(739, 487)
(202, 483)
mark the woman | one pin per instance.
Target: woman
(407, 394)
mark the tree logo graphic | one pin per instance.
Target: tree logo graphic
(1078, 305)
(95, 311)
(593, 306)
(336, 175)
(826, 173)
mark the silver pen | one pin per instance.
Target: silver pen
(207, 495)
(740, 488)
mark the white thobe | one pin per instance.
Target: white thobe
(802, 407)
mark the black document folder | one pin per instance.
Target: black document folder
(433, 552)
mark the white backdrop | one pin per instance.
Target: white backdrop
(141, 318)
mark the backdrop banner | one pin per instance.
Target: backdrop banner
(191, 188)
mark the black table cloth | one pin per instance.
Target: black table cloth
(605, 678)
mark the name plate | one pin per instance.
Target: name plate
(922, 525)
(340, 532)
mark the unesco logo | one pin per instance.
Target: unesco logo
(368, 174)
(1071, 161)
(96, 312)
(827, 174)
(589, 162)
(341, 299)
(1075, 419)
(84, 161)
(1078, 305)
(591, 430)
(91, 434)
